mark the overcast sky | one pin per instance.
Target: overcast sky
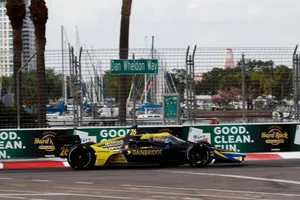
(177, 23)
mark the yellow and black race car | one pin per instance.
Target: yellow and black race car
(141, 149)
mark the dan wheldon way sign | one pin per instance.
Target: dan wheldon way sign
(141, 66)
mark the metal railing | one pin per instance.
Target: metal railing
(237, 85)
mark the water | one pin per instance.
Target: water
(223, 120)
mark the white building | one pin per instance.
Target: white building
(6, 40)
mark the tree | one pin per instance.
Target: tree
(224, 97)
(179, 79)
(259, 75)
(9, 120)
(218, 79)
(257, 65)
(53, 82)
(53, 86)
(123, 54)
(111, 84)
(211, 82)
(16, 11)
(282, 82)
(261, 78)
(39, 17)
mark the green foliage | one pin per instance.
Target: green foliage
(262, 78)
(29, 84)
(111, 85)
(179, 79)
(7, 82)
(8, 118)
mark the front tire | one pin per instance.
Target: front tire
(198, 155)
(81, 157)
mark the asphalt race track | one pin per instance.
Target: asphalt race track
(276, 180)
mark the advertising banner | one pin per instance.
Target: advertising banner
(28, 143)
(248, 138)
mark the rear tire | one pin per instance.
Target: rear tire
(81, 157)
(198, 155)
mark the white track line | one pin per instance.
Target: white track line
(11, 197)
(17, 191)
(182, 194)
(36, 199)
(3, 178)
(19, 196)
(41, 180)
(85, 183)
(214, 190)
(235, 176)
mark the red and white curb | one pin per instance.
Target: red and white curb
(59, 163)
(273, 156)
(33, 163)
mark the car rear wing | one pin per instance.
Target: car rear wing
(63, 144)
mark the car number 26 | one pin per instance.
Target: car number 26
(64, 151)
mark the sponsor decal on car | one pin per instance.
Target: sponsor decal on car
(145, 152)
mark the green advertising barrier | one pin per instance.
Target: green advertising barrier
(248, 138)
(28, 143)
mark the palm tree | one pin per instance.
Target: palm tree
(39, 17)
(16, 11)
(123, 54)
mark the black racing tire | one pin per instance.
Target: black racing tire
(81, 157)
(198, 155)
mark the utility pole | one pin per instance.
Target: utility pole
(243, 87)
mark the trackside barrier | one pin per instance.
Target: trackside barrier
(246, 138)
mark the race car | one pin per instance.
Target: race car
(141, 149)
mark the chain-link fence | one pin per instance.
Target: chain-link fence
(215, 85)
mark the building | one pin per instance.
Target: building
(229, 59)
(198, 77)
(6, 41)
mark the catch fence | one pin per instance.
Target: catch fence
(237, 85)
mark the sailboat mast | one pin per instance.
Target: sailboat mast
(153, 80)
(145, 77)
(64, 81)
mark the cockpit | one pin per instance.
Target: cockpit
(158, 140)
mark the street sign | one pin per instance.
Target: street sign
(171, 107)
(141, 66)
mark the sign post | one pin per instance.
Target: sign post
(133, 67)
(171, 107)
(141, 66)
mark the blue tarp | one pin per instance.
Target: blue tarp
(59, 108)
(150, 106)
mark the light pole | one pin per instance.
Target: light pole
(18, 89)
